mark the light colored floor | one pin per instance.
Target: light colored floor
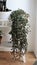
(5, 59)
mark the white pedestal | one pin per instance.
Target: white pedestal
(23, 58)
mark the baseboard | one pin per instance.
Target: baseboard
(2, 48)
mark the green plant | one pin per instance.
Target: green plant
(18, 31)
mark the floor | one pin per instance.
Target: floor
(5, 59)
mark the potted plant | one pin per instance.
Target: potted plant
(0, 36)
(18, 31)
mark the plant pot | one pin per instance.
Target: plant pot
(0, 39)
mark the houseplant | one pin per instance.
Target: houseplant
(0, 36)
(18, 31)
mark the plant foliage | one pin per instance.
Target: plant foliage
(18, 31)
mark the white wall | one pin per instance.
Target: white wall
(29, 7)
(35, 48)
